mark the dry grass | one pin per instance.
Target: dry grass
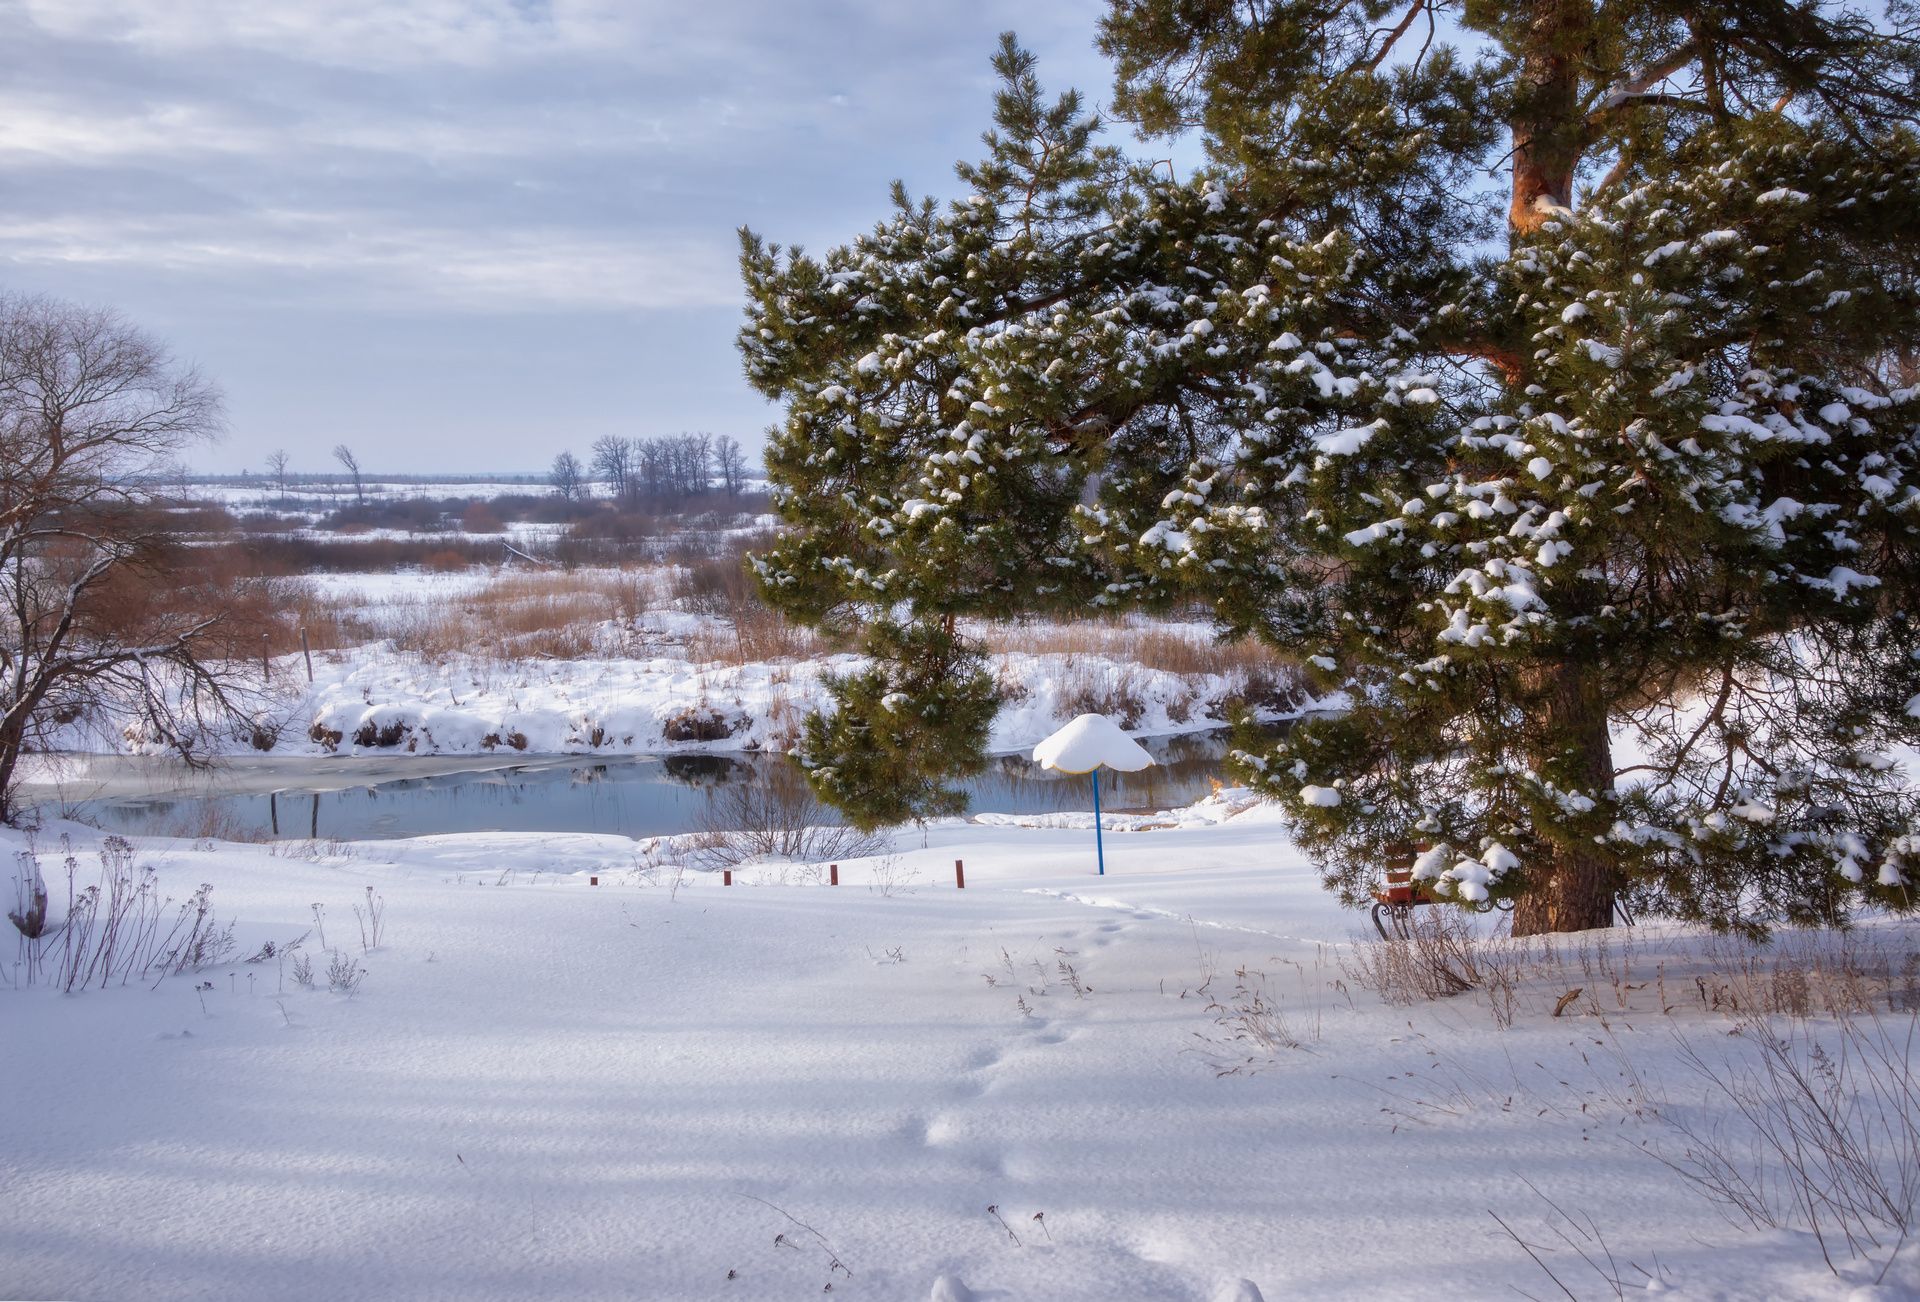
(756, 633)
(1808, 974)
(513, 614)
(1118, 691)
(1799, 1103)
(573, 614)
(1106, 666)
(550, 614)
(1625, 972)
(1172, 650)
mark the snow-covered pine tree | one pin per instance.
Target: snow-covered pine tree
(1596, 492)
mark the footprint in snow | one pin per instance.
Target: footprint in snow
(985, 1059)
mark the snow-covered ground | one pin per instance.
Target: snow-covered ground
(517, 532)
(667, 1088)
(261, 494)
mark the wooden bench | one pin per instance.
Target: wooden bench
(1394, 903)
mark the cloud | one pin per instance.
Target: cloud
(455, 172)
(43, 127)
(393, 265)
(375, 34)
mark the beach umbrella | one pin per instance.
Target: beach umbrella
(1088, 744)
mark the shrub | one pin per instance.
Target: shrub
(1438, 957)
(480, 517)
(702, 723)
(1099, 688)
(774, 816)
(713, 585)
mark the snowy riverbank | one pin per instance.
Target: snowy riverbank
(373, 699)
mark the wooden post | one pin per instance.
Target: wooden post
(833, 874)
(726, 876)
(593, 881)
(265, 640)
(959, 875)
(306, 651)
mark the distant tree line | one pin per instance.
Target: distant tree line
(635, 470)
(653, 469)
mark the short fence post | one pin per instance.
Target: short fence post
(833, 874)
(959, 875)
(306, 651)
(593, 881)
(726, 876)
(265, 640)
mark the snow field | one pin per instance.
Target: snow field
(551, 1089)
(260, 494)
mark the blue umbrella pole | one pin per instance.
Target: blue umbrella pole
(1099, 847)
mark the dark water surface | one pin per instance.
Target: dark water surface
(651, 795)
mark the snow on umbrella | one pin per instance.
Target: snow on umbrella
(1086, 745)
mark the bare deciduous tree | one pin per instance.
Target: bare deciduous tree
(730, 463)
(344, 455)
(693, 464)
(277, 467)
(568, 477)
(613, 462)
(653, 476)
(91, 409)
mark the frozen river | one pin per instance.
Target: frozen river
(369, 797)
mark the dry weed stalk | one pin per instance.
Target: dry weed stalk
(1251, 1027)
(111, 932)
(1824, 1134)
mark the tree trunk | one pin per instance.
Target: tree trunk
(1548, 131)
(1575, 892)
(12, 741)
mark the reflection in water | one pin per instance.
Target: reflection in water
(700, 770)
(641, 796)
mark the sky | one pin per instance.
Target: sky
(464, 235)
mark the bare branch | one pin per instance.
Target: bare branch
(1629, 87)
